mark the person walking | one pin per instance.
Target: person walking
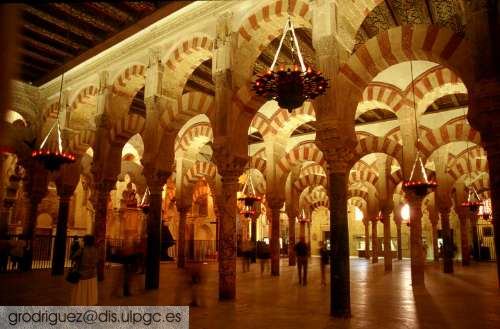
(302, 252)
(324, 258)
(73, 249)
(85, 291)
(263, 254)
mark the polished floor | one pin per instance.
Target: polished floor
(467, 299)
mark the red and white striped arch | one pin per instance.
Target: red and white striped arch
(380, 95)
(263, 25)
(84, 97)
(198, 170)
(312, 168)
(356, 192)
(309, 181)
(126, 127)
(307, 151)
(185, 57)
(401, 44)
(262, 124)
(462, 166)
(452, 131)
(374, 144)
(81, 141)
(189, 105)
(130, 80)
(363, 175)
(198, 132)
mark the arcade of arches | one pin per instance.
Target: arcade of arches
(170, 110)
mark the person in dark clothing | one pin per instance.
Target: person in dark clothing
(263, 254)
(324, 258)
(302, 252)
(74, 248)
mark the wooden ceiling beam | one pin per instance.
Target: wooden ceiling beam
(39, 57)
(64, 24)
(161, 13)
(31, 66)
(81, 15)
(110, 11)
(44, 47)
(54, 36)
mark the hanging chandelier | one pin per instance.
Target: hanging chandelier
(290, 86)
(473, 201)
(419, 183)
(302, 218)
(249, 198)
(51, 157)
(144, 205)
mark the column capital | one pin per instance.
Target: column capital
(228, 163)
(274, 202)
(155, 179)
(336, 147)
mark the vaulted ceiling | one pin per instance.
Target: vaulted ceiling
(55, 34)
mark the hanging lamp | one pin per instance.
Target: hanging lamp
(302, 218)
(144, 205)
(53, 158)
(473, 201)
(290, 86)
(249, 198)
(418, 183)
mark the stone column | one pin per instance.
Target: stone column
(366, 223)
(434, 222)
(374, 241)
(100, 203)
(475, 240)
(398, 220)
(59, 255)
(447, 240)
(339, 235)
(275, 206)
(416, 246)
(227, 236)
(386, 218)
(181, 237)
(155, 180)
(464, 238)
(484, 112)
(253, 232)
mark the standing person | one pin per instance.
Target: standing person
(263, 254)
(196, 279)
(85, 291)
(323, 253)
(73, 249)
(302, 252)
(246, 249)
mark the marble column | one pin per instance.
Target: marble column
(59, 256)
(339, 235)
(435, 247)
(227, 235)
(181, 237)
(447, 240)
(464, 239)
(100, 203)
(275, 206)
(416, 246)
(366, 223)
(475, 239)
(155, 183)
(374, 222)
(398, 220)
(386, 218)
(253, 232)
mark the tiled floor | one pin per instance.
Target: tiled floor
(467, 299)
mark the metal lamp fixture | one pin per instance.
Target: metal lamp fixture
(302, 218)
(51, 158)
(418, 183)
(144, 205)
(293, 85)
(249, 198)
(473, 201)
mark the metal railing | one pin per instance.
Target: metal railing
(43, 250)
